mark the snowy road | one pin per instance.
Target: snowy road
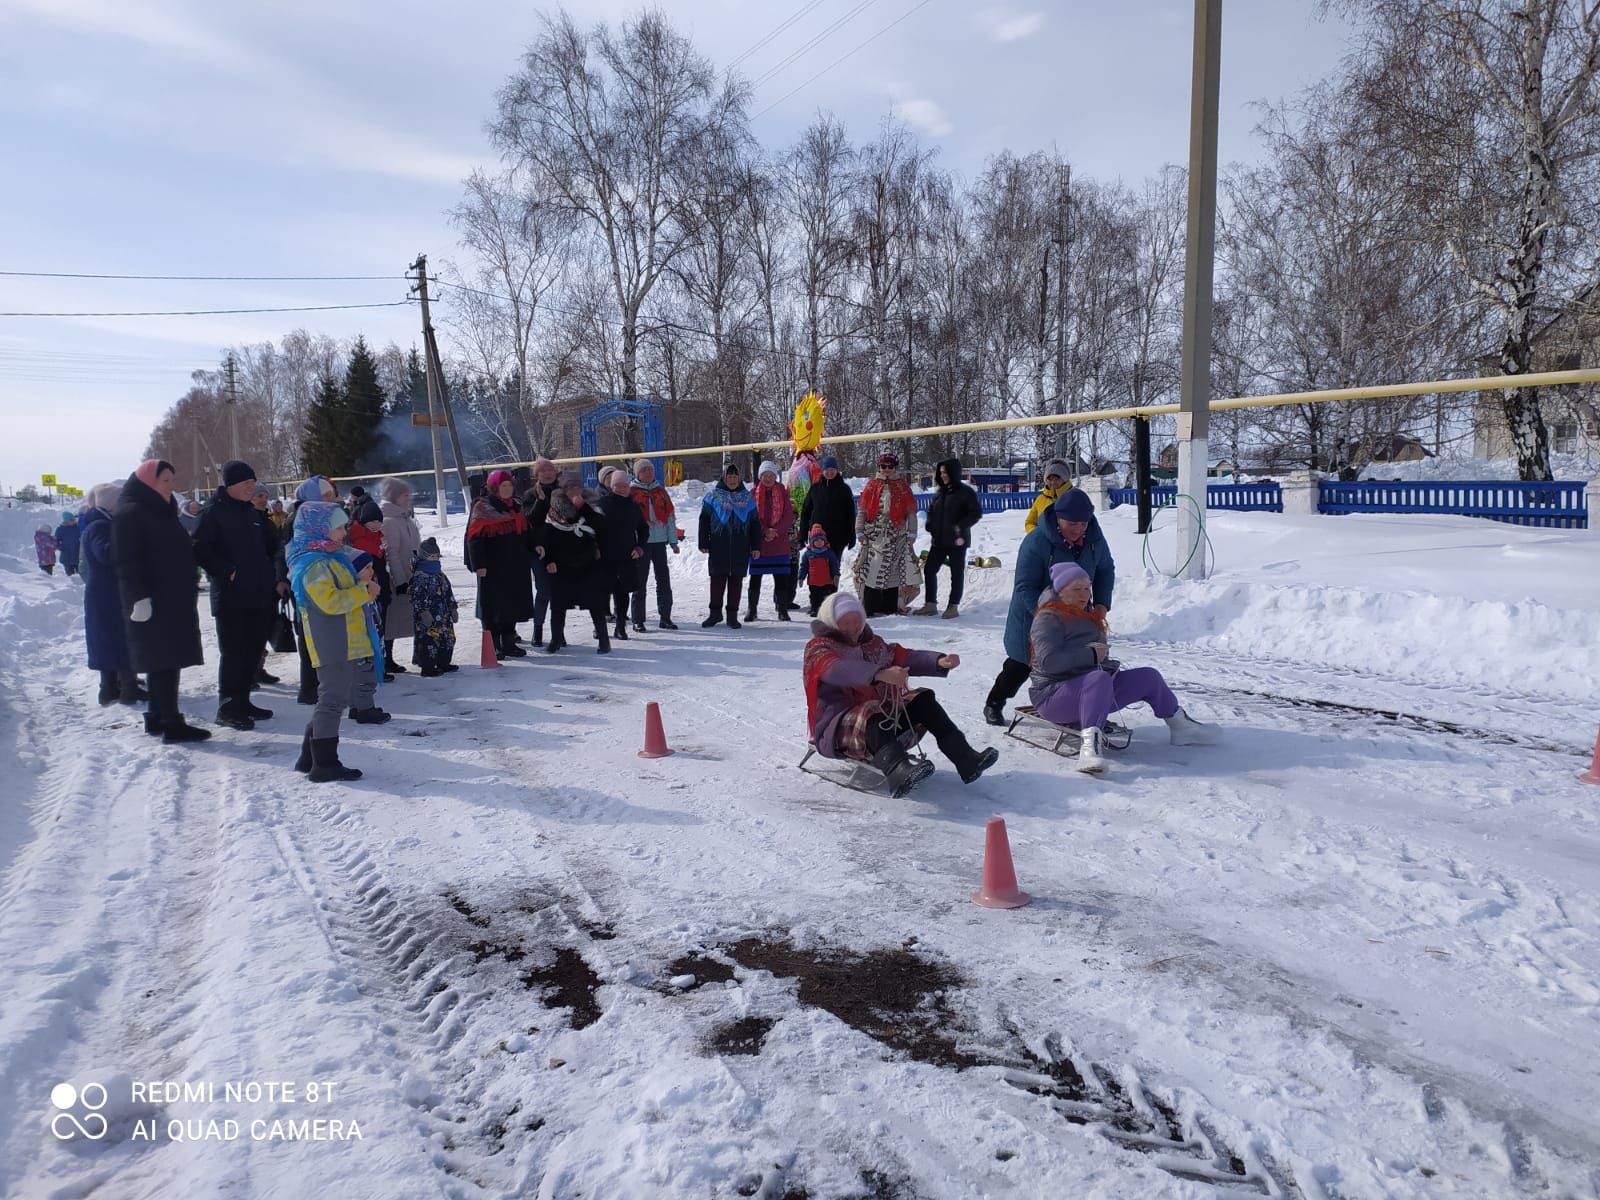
(1339, 956)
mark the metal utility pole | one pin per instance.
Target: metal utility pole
(436, 387)
(233, 402)
(1194, 401)
(1063, 242)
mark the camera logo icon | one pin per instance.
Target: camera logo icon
(65, 1124)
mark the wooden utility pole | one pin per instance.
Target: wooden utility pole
(437, 388)
(233, 401)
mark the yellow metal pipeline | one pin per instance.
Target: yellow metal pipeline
(1488, 383)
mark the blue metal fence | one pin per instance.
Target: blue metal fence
(989, 502)
(1235, 497)
(1549, 505)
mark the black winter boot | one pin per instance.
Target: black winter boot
(130, 692)
(538, 634)
(733, 618)
(388, 659)
(621, 631)
(370, 716)
(153, 725)
(303, 763)
(179, 730)
(603, 637)
(900, 771)
(326, 767)
(714, 619)
(109, 689)
(558, 632)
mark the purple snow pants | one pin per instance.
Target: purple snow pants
(1089, 699)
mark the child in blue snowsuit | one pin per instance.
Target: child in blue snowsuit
(820, 565)
(67, 542)
(433, 612)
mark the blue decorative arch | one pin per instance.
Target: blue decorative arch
(647, 409)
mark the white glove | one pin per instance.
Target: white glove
(141, 610)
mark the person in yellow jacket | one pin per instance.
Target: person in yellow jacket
(1057, 479)
(334, 594)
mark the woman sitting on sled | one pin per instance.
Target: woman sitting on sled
(859, 701)
(1073, 682)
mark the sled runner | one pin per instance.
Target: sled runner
(854, 774)
(1064, 739)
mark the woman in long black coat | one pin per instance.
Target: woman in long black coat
(156, 582)
(500, 550)
(627, 533)
(572, 536)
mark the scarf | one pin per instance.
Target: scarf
(428, 566)
(494, 517)
(564, 515)
(821, 653)
(901, 502)
(655, 502)
(366, 540)
(1072, 612)
(729, 506)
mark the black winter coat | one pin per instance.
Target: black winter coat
(581, 579)
(155, 561)
(725, 536)
(505, 593)
(235, 539)
(625, 531)
(954, 509)
(831, 504)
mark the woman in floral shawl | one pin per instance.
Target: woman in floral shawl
(887, 573)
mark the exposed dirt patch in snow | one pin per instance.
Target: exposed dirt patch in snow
(571, 983)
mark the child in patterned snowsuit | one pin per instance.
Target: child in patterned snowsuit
(434, 613)
(44, 545)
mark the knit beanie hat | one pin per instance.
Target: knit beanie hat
(1058, 468)
(840, 604)
(1064, 574)
(496, 478)
(729, 468)
(605, 474)
(639, 464)
(236, 471)
(428, 548)
(357, 491)
(571, 479)
(830, 463)
(68, 518)
(1073, 505)
(817, 531)
(768, 468)
(361, 562)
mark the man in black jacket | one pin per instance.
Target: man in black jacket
(831, 504)
(236, 546)
(951, 516)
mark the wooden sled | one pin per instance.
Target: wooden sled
(854, 774)
(1065, 740)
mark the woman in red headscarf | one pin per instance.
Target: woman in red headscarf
(500, 549)
(886, 574)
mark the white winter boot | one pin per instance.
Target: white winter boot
(1186, 731)
(1090, 761)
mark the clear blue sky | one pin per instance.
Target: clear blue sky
(179, 137)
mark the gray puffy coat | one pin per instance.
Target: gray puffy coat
(401, 541)
(1058, 648)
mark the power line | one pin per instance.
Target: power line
(197, 278)
(774, 33)
(840, 59)
(212, 312)
(840, 23)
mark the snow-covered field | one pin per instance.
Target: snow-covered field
(1349, 953)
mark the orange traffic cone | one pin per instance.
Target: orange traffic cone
(655, 738)
(488, 658)
(999, 877)
(1592, 775)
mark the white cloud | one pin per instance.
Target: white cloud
(285, 112)
(924, 114)
(1002, 24)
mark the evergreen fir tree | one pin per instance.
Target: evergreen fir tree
(325, 450)
(363, 404)
(412, 395)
